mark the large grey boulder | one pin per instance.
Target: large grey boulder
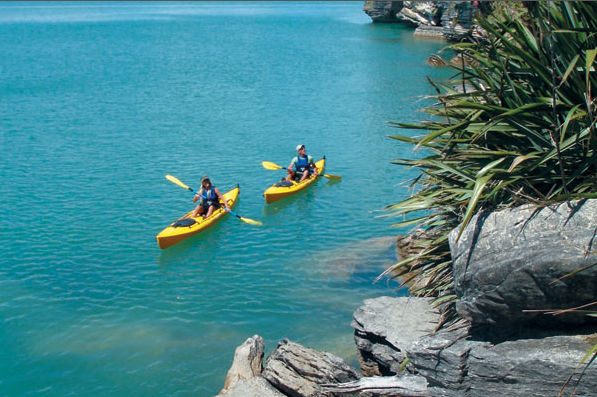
(509, 261)
(385, 326)
(298, 371)
(457, 364)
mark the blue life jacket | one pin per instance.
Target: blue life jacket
(302, 164)
(210, 197)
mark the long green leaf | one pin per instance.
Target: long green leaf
(489, 166)
(570, 69)
(433, 135)
(477, 191)
(590, 59)
(520, 159)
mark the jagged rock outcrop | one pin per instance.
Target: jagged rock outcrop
(291, 370)
(385, 326)
(247, 363)
(514, 260)
(298, 371)
(382, 11)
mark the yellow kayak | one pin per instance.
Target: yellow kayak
(283, 189)
(186, 226)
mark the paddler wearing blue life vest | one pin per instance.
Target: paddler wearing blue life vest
(209, 197)
(301, 166)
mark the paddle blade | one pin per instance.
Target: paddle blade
(268, 165)
(332, 176)
(176, 181)
(251, 221)
(246, 220)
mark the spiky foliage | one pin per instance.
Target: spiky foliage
(515, 125)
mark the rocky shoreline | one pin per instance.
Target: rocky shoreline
(509, 339)
(521, 277)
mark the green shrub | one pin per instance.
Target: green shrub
(515, 125)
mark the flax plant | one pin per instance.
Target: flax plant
(514, 125)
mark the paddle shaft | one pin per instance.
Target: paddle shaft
(273, 166)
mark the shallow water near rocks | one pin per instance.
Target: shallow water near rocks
(99, 101)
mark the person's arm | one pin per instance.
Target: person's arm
(198, 195)
(292, 163)
(222, 198)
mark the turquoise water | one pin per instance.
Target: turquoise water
(99, 101)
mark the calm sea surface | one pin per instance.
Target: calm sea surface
(99, 101)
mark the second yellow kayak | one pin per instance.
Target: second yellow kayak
(283, 189)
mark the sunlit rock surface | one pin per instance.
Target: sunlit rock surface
(508, 262)
(299, 371)
(385, 327)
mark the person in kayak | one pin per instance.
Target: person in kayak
(301, 166)
(209, 198)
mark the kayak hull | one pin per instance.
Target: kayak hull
(173, 235)
(275, 193)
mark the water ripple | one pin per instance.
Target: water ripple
(94, 115)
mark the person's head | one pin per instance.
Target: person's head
(300, 149)
(205, 182)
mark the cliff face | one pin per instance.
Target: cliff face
(451, 20)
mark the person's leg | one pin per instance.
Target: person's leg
(197, 211)
(210, 211)
(290, 175)
(305, 175)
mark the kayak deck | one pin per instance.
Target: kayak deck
(276, 192)
(179, 230)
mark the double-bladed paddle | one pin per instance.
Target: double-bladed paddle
(268, 165)
(182, 185)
